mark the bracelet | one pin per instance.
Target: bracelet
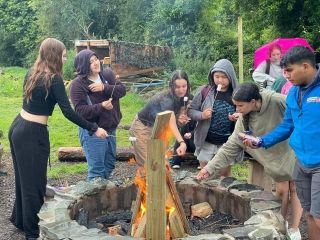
(182, 141)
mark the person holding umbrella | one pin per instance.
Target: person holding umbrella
(269, 70)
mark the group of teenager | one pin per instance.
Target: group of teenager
(214, 119)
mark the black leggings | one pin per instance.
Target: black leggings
(30, 148)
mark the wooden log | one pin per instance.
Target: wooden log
(201, 210)
(176, 199)
(114, 230)
(135, 210)
(258, 177)
(176, 226)
(156, 190)
(76, 154)
(141, 228)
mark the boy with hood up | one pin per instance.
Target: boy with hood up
(95, 95)
(214, 111)
(169, 100)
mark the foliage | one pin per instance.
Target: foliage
(18, 31)
(199, 31)
(68, 66)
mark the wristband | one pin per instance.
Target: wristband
(182, 141)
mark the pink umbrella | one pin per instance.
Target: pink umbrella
(261, 53)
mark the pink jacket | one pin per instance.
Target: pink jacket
(286, 87)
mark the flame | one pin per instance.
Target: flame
(143, 209)
(168, 154)
(166, 135)
(140, 181)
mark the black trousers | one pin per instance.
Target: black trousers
(30, 148)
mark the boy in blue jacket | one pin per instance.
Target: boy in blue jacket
(301, 125)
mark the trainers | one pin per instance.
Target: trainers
(199, 167)
(176, 166)
(293, 234)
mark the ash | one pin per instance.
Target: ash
(214, 223)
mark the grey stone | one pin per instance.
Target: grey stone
(240, 232)
(209, 237)
(263, 195)
(262, 234)
(260, 205)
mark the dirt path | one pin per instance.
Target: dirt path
(7, 195)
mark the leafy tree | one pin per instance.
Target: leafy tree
(18, 31)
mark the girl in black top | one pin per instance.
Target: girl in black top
(28, 134)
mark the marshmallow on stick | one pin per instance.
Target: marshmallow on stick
(132, 139)
(218, 90)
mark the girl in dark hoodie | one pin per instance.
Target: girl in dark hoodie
(171, 100)
(95, 95)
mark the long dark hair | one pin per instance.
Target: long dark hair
(179, 74)
(47, 65)
(245, 92)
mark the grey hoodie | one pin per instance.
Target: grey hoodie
(197, 105)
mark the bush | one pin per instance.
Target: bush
(68, 68)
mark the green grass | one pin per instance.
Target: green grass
(62, 132)
(240, 171)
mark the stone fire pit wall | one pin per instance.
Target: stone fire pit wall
(191, 193)
(104, 201)
(86, 201)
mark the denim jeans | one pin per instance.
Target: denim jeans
(100, 153)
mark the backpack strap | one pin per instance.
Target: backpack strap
(204, 92)
(268, 66)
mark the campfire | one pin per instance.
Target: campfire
(158, 212)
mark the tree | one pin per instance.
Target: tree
(19, 32)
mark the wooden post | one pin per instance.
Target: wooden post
(161, 191)
(240, 49)
(161, 124)
(258, 177)
(156, 190)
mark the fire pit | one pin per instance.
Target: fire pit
(73, 212)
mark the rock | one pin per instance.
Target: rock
(201, 210)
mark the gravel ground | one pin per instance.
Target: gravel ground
(123, 173)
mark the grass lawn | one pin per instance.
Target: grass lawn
(62, 132)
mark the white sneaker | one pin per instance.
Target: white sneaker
(199, 167)
(293, 234)
(176, 166)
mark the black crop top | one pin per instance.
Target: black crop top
(42, 105)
